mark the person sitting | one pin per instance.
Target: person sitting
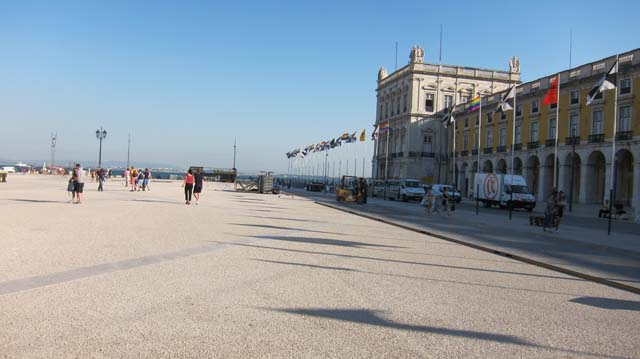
(619, 210)
(604, 210)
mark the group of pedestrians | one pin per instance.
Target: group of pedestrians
(76, 184)
(434, 203)
(554, 210)
(192, 185)
(138, 179)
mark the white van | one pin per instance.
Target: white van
(504, 191)
(411, 189)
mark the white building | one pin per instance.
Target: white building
(410, 98)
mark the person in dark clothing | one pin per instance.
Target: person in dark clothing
(188, 186)
(197, 188)
(100, 174)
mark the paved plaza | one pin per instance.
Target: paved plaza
(242, 275)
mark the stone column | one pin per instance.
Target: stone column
(635, 201)
(542, 191)
(582, 196)
(607, 182)
(562, 185)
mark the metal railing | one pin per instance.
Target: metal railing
(599, 137)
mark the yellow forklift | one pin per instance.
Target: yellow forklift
(352, 189)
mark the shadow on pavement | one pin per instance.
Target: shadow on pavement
(426, 279)
(326, 241)
(371, 317)
(268, 226)
(396, 260)
(287, 219)
(608, 303)
(36, 201)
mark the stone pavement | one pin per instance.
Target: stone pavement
(581, 245)
(246, 275)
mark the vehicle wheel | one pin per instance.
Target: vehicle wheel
(487, 204)
(529, 209)
(404, 198)
(501, 206)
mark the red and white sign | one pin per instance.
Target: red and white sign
(491, 186)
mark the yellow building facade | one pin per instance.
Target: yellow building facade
(537, 126)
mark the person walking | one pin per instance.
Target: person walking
(197, 188)
(140, 179)
(126, 177)
(188, 183)
(101, 177)
(79, 183)
(71, 186)
(549, 210)
(561, 202)
(428, 201)
(445, 201)
(134, 178)
(146, 176)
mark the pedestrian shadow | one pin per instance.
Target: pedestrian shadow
(268, 226)
(36, 200)
(608, 303)
(306, 265)
(153, 201)
(325, 241)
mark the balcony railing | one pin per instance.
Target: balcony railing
(464, 153)
(551, 142)
(488, 150)
(474, 152)
(572, 140)
(428, 154)
(517, 147)
(501, 149)
(533, 145)
(599, 137)
(624, 135)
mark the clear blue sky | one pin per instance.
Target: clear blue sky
(186, 77)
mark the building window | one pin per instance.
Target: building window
(625, 86)
(465, 141)
(404, 103)
(503, 115)
(503, 136)
(398, 105)
(428, 139)
(518, 110)
(428, 103)
(386, 109)
(518, 133)
(552, 129)
(535, 106)
(534, 131)
(477, 120)
(448, 101)
(464, 98)
(489, 138)
(574, 125)
(624, 123)
(596, 123)
(575, 97)
(466, 123)
(490, 117)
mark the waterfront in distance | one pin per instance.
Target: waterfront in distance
(140, 274)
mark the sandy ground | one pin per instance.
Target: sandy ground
(246, 275)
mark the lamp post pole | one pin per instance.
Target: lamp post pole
(101, 134)
(573, 156)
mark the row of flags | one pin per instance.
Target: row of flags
(607, 82)
(327, 145)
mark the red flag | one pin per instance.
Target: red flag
(552, 93)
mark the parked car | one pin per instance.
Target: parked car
(392, 190)
(438, 189)
(377, 188)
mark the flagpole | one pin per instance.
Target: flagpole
(612, 195)
(364, 156)
(479, 132)
(555, 156)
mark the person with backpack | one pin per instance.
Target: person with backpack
(188, 183)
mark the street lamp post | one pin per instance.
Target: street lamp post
(100, 135)
(573, 156)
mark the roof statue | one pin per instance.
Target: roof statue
(382, 73)
(417, 55)
(514, 65)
